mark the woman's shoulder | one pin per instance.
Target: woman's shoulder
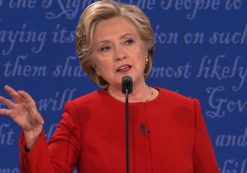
(90, 98)
(173, 96)
(86, 102)
(177, 102)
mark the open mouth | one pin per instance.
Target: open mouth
(124, 68)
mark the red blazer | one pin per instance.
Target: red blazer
(167, 135)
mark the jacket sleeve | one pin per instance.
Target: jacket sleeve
(62, 151)
(203, 156)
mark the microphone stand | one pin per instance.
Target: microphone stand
(127, 85)
(127, 129)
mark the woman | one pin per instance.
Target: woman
(167, 132)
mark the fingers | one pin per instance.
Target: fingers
(25, 97)
(5, 112)
(18, 96)
(7, 102)
(13, 93)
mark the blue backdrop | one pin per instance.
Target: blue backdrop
(200, 52)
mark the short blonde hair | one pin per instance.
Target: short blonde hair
(102, 10)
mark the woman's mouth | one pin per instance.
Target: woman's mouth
(124, 68)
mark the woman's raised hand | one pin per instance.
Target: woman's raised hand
(22, 110)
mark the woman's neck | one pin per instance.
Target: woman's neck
(141, 93)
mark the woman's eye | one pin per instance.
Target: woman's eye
(105, 48)
(129, 42)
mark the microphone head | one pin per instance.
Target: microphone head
(127, 84)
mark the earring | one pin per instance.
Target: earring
(97, 72)
(146, 60)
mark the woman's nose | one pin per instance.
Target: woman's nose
(120, 54)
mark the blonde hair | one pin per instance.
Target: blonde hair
(103, 10)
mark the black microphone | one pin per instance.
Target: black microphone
(127, 87)
(127, 84)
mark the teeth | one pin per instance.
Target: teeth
(122, 68)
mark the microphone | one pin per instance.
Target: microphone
(127, 84)
(127, 87)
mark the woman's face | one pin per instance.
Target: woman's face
(118, 51)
